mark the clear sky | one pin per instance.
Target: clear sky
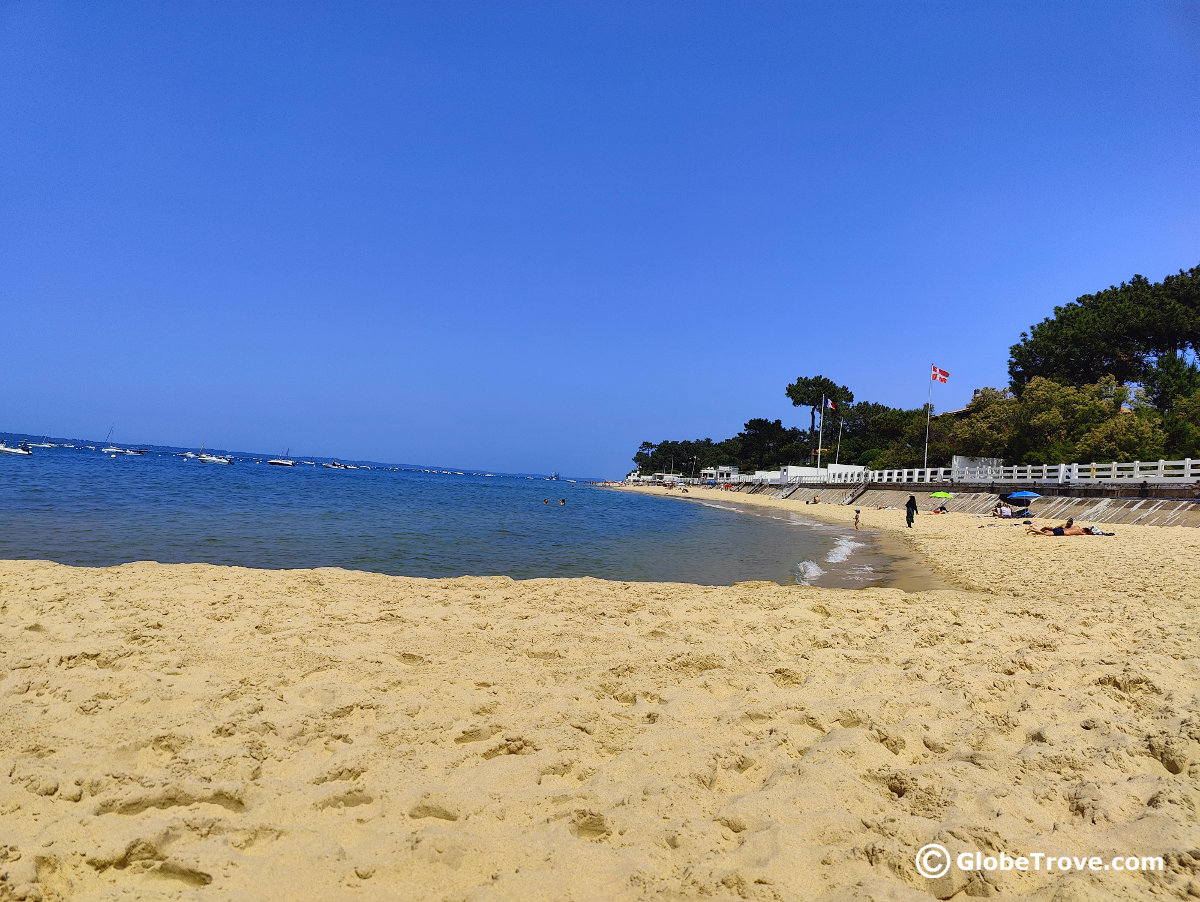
(528, 236)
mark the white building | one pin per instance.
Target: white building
(718, 474)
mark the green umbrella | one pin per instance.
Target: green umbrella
(940, 495)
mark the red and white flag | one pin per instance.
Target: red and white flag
(939, 375)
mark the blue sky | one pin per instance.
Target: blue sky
(529, 236)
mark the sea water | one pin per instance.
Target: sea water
(82, 507)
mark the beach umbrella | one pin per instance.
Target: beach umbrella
(1025, 497)
(940, 495)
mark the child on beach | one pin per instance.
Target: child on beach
(856, 513)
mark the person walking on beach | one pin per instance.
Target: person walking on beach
(910, 510)
(857, 511)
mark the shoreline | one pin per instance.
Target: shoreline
(1000, 557)
(899, 565)
(910, 570)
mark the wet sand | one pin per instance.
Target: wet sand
(892, 563)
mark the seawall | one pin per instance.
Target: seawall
(1084, 503)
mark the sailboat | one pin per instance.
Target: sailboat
(285, 461)
(113, 449)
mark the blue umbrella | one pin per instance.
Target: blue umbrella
(1024, 495)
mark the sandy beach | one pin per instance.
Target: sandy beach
(201, 732)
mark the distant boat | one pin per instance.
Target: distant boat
(206, 458)
(22, 449)
(553, 477)
(335, 466)
(285, 461)
(113, 449)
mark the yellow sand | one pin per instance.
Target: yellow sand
(199, 732)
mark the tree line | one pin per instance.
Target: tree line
(1113, 375)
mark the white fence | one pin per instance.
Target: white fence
(1168, 471)
(1160, 471)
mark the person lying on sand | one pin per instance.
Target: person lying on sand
(1067, 529)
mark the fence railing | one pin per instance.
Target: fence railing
(1184, 470)
(1156, 471)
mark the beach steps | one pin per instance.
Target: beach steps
(1142, 511)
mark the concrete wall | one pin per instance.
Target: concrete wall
(1149, 511)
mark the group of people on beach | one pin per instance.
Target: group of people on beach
(1003, 511)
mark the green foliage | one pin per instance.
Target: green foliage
(686, 457)
(1137, 333)
(810, 391)
(762, 445)
(1052, 423)
(875, 433)
(1126, 437)
(1182, 425)
(1169, 378)
(989, 426)
(1121, 332)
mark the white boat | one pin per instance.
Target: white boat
(113, 449)
(206, 458)
(23, 449)
(285, 461)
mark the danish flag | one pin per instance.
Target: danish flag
(939, 375)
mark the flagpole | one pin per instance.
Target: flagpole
(837, 454)
(821, 434)
(928, 409)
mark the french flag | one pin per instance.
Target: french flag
(829, 404)
(939, 375)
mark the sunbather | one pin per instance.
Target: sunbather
(1067, 529)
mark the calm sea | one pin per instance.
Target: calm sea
(83, 507)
